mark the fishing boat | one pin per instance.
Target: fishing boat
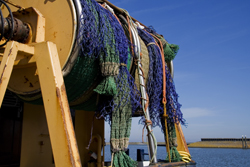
(69, 66)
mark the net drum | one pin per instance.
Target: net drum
(81, 73)
(61, 20)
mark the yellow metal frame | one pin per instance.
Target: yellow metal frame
(85, 125)
(181, 141)
(62, 135)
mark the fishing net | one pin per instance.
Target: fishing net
(173, 106)
(83, 76)
(154, 83)
(109, 68)
(174, 154)
(156, 109)
(170, 50)
(119, 97)
(102, 36)
(121, 126)
(102, 45)
(101, 67)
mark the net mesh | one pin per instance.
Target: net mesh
(102, 37)
(103, 57)
(174, 154)
(103, 47)
(170, 50)
(155, 80)
(154, 85)
(173, 106)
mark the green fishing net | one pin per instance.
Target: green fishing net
(120, 128)
(174, 154)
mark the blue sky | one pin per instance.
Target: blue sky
(212, 66)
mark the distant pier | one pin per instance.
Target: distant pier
(222, 143)
(224, 139)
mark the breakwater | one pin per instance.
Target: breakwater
(222, 143)
(225, 139)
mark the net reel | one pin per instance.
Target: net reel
(61, 25)
(62, 22)
(48, 21)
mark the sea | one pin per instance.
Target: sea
(204, 157)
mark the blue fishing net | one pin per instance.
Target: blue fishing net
(155, 80)
(155, 85)
(98, 31)
(173, 105)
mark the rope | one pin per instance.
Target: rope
(166, 132)
(147, 123)
(145, 101)
(173, 106)
(130, 36)
(185, 156)
(164, 101)
(151, 43)
(123, 64)
(112, 158)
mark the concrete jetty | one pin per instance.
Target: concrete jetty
(221, 143)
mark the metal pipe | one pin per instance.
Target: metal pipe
(143, 93)
(171, 68)
(21, 30)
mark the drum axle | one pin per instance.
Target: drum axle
(20, 32)
(12, 28)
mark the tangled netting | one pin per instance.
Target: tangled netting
(170, 50)
(101, 36)
(174, 154)
(154, 85)
(173, 106)
(98, 31)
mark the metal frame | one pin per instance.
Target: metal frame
(62, 135)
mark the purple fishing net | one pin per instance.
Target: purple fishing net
(155, 85)
(98, 29)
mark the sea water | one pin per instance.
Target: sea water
(204, 157)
